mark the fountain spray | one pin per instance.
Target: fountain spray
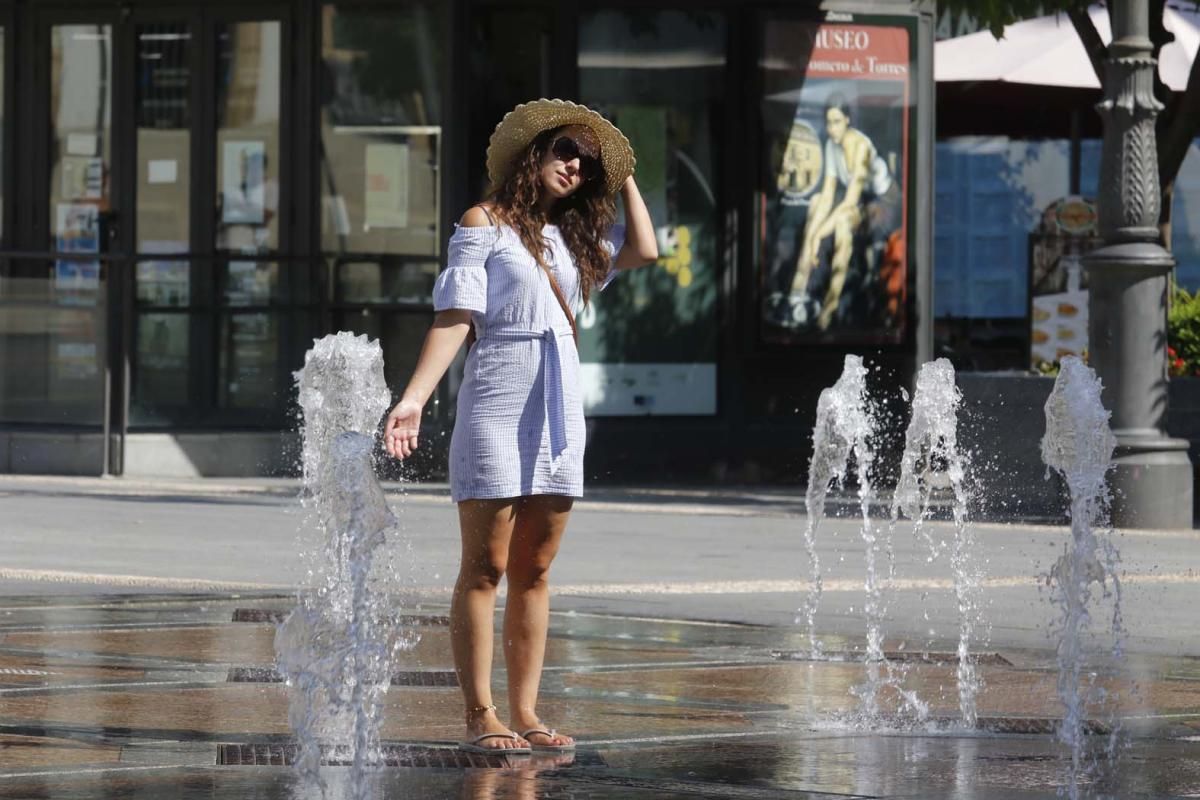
(1079, 444)
(843, 425)
(338, 645)
(845, 430)
(930, 445)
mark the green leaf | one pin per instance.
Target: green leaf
(1183, 329)
(996, 15)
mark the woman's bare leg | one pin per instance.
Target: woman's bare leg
(843, 249)
(487, 527)
(541, 522)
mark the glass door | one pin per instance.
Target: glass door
(247, 227)
(213, 326)
(54, 307)
(168, 284)
(382, 117)
(145, 280)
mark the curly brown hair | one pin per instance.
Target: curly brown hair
(583, 217)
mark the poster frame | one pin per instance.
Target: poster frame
(251, 186)
(916, 197)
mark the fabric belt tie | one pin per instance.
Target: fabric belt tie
(552, 382)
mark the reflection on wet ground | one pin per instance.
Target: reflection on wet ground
(176, 697)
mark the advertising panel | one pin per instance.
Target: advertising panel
(833, 241)
(1058, 293)
(78, 227)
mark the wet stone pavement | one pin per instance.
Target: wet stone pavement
(177, 697)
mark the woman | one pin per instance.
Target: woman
(518, 265)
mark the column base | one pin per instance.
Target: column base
(1151, 483)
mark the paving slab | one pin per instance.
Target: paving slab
(136, 654)
(172, 696)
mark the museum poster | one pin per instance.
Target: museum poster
(833, 221)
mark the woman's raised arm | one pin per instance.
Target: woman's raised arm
(641, 246)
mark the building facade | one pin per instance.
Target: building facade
(192, 192)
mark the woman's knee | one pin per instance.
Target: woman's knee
(481, 574)
(529, 573)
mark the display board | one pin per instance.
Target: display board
(834, 193)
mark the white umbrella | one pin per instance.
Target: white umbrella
(1047, 52)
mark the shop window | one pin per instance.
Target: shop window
(648, 343)
(1006, 230)
(1009, 288)
(502, 75)
(161, 383)
(162, 379)
(400, 334)
(53, 313)
(249, 85)
(164, 146)
(247, 360)
(382, 114)
(52, 341)
(3, 135)
(382, 280)
(381, 133)
(1185, 221)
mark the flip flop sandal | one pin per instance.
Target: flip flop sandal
(474, 745)
(550, 748)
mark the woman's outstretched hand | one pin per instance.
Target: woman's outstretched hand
(400, 432)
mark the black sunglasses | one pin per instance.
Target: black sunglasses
(565, 149)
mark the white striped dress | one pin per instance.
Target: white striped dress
(519, 428)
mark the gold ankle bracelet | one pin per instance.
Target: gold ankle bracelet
(479, 710)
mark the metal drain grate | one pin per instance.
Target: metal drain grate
(394, 755)
(1038, 725)
(284, 755)
(406, 678)
(425, 678)
(275, 616)
(256, 755)
(258, 615)
(253, 675)
(898, 656)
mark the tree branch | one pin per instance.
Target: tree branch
(1176, 138)
(1092, 43)
(1160, 37)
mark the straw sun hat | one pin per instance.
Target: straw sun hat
(526, 121)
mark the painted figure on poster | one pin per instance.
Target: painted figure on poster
(856, 209)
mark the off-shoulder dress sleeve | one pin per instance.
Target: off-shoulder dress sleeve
(463, 283)
(613, 241)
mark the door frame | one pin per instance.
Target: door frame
(32, 223)
(27, 225)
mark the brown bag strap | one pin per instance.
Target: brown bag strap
(558, 293)
(562, 301)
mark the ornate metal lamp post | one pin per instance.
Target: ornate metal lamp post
(1152, 476)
